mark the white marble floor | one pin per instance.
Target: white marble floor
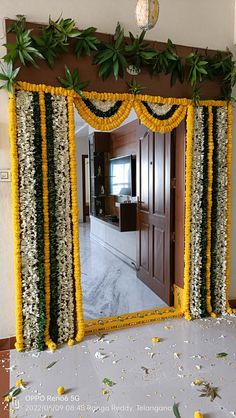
(148, 378)
(110, 286)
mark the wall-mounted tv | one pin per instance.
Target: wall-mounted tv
(122, 176)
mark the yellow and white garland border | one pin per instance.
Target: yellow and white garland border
(71, 97)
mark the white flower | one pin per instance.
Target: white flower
(28, 217)
(65, 320)
(196, 213)
(221, 230)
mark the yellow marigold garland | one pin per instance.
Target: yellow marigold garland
(187, 254)
(48, 340)
(113, 323)
(23, 85)
(105, 124)
(177, 101)
(229, 187)
(16, 224)
(156, 125)
(94, 95)
(75, 221)
(209, 209)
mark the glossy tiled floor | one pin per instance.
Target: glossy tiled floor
(110, 286)
(148, 377)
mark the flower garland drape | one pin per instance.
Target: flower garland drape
(107, 111)
(47, 264)
(49, 310)
(207, 230)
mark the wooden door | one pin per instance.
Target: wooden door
(154, 250)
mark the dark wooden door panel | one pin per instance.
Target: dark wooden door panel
(154, 212)
(159, 174)
(144, 246)
(158, 254)
(144, 157)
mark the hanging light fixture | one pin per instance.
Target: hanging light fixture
(147, 12)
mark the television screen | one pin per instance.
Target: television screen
(122, 175)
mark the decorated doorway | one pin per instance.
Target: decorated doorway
(43, 247)
(47, 262)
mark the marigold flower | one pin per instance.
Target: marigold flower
(198, 414)
(60, 390)
(20, 382)
(8, 398)
(156, 339)
(197, 382)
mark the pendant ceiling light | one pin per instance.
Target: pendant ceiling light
(147, 12)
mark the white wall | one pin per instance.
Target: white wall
(7, 294)
(87, 181)
(81, 149)
(189, 22)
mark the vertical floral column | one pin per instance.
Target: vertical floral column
(220, 210)
(16, 223)
(75, 217)
(196, 212)
(207, 222)
(60, 233)
(31, 218)
(47, 262)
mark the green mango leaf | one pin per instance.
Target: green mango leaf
(51, 364)
(104, 56)
(3, 77)
(8, 76)
(148, 55)
(221, 355)
(142, 36)
(202, 70)
(203, 63)
(86, 42)
(16, 392)
(72, 81)
(176, 411)
(108, 382)
(116, 69)
(120, 39)
(135, 87)
(105, 70)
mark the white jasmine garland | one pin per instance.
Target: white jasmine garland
(65, 302)
(221, 230)
(160, 109)
(28, 217)
(196, 213)
(103, 105)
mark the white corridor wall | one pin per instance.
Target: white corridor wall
(198, 23)
(82, 145)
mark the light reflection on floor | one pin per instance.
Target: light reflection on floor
(110, 286)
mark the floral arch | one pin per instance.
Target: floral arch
(47, 261)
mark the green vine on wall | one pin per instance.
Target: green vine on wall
(114, 57)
